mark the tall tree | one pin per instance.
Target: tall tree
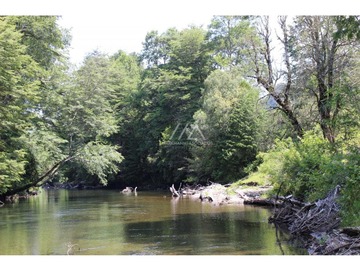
(126, 77)
(268, 76)
(324, 58)
(156, 47)
(229, 37)
(19, 90)
(171, 89)
(229, 121)
(45, 41)
(76, 118)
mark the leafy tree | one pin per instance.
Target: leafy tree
(229, 120)
(45, 41)
(18, 92)
(348, 26)
(230, 38)
(125, 79)
(81, 114)
(184, 76)
(156, 48)
(75, 120)
(178, 62)
(325, 59)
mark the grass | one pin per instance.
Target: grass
(254, 179)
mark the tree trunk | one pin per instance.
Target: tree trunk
(324, 58)
(39, 181)
(268, 81)
(285, 108)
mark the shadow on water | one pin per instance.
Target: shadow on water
(194, 234)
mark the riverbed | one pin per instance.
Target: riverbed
(108, 222)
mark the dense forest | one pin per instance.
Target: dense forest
(241, 99)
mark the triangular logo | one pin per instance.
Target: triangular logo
(193, 132)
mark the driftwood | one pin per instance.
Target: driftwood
(339, 242)
(174, 192)
(316, 224)
(261, 202)
(217, 194)
(305, 218)
(291, 200)
(129, 190)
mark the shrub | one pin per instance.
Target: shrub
(310, 168)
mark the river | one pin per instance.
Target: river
(104, 222)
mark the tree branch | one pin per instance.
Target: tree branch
(41, 180)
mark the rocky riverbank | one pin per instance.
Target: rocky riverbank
(218, 194)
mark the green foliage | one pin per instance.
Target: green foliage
(19, 84)
(43, 38)
(348, 26)
(46, 147)
(78, 118)
(229, 120)
(310, 169)
(12, 168)
(231, 37)
(349, 200)
(178, 62)
(100, 160)
(19, 90)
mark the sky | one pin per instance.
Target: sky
(120, 31)
(112, 25)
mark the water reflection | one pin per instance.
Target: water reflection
(108, 222)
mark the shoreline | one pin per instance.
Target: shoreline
(326, 238)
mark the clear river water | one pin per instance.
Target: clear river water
(104, 222)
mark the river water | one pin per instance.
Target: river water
(84, 222)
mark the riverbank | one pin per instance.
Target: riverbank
(218, 194)
(314, 226)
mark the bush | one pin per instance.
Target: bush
(350, 201)
(310, 168)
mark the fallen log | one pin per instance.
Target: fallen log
(262, 202)
(128, 190)
(291, 200)
(351, 231)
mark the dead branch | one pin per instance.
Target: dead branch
(301, 218)
(174, 192)
(261, 202)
